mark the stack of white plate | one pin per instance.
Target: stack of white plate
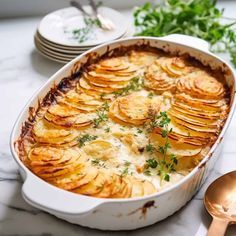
(55, 39)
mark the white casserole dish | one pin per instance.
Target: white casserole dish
(122, 214)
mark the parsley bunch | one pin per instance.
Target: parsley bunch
(200, 18)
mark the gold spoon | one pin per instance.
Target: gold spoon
(220, 202)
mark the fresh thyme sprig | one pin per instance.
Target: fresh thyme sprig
(101, 114)
(86, 138)
(163, 164)
(135, 84)
(200, 18)
(98, 162)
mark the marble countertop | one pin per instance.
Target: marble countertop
(22, 72)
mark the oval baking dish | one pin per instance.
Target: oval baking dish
(121, 214)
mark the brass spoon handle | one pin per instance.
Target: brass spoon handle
(217, 227)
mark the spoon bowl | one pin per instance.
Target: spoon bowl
(220, 202)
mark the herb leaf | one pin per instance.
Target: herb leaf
(84, 33)
(152, 163)
(101, 114)
(86, 138)
(135, 84)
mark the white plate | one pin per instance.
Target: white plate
(65, 52)
(64, 49)
(59, 45)
(50, 56)
(57, 26)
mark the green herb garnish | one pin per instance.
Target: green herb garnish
(152, 163)
(95, 162)
(84, 33)
(107, 130)
(147, 172)
(200, 18)
(98, 162)
(105, 106)
(101, 114)
(158, 120)
(150, 148)
(150, 95)
(135, 84)
(125, 172)
(127, 163)
(139, 131)
(163, 163)
(86, 138)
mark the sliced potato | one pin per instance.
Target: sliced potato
(142, 58)
(93, 187)
(148, 188)
(45, 132)
(135, 107)
(137, 188)
(101, 149)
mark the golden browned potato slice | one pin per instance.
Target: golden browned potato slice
(78, 121)
(49, 162)
(77, 178)
(83, 108)
(178, 147)
(200, 111)
(106, 84)
(109, 78)
(107, 188)
(118, 66)
(101, 149)
(158, 80)
(137, 188)
(148, 188)
(173, 66)
(201, 131)
(134, 106)
(115, 63)
(127, 70)
(93, 187)
(124, 191)
(116, 184)
(188, 100)
(142, 58)
(42, 155)
(45, 132)
(115, 115)
(209, 128)
(85, 85)
(95, 94)
(201, 85)
(82, 98)
(208, 86)
(183, 135)
(62, 110)
(200, 119)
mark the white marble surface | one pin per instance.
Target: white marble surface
(22, 72)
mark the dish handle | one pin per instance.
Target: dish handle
(49, 198)
(188, 41)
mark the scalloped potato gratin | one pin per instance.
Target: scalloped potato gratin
(126, 125)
